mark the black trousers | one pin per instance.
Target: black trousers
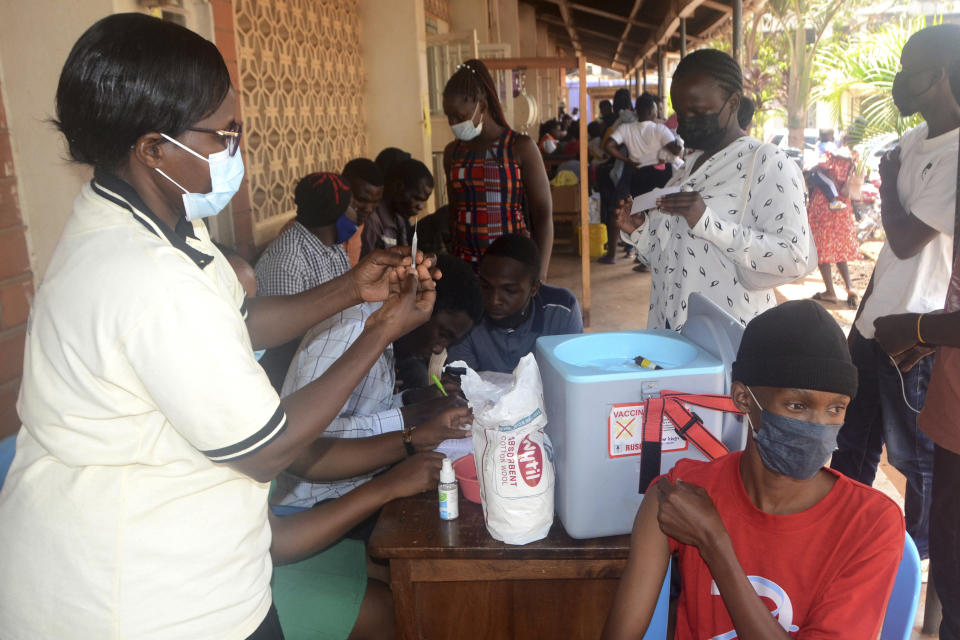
(645, 179)
(945, 539)
(269, 629)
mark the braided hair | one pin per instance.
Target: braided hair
(745, 113)
(716, 64)
(622, 100)
(472, 81)
(321, 198)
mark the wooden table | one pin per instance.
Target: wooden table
(451, 580)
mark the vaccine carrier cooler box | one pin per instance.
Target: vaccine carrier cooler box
(594, 393)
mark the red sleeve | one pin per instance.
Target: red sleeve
(851, 607)
(679, 470)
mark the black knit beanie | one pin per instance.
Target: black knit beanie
(796, 345)
(321, 198)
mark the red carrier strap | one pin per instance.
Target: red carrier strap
(688, 425)
(652, 435)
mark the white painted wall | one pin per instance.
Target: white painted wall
(393, 46)
(471, 14)
(35, 38)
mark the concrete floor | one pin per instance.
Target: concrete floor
(621, 300)
(621, 297)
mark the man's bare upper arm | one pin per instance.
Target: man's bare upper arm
(642, 579)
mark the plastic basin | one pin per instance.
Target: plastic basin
(466, 471)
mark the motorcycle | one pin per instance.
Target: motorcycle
(867, 212)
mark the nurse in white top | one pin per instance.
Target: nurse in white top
(740, 219)
(136, 505)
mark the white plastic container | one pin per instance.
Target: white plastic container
(448, 492)
(592, 390)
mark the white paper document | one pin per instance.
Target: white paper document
(648, 200)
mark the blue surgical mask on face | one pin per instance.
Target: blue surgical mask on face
(226, 174)
(258, 353)
(792, 447)
(345, 228)
(466, 130)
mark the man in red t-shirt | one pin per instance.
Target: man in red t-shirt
(769, 543)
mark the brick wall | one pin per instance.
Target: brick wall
(16, 283)
(225, 38)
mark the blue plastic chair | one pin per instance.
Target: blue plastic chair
(8, 446)
(902, 605)
(657, 630)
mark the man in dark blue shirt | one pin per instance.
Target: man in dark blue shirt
(518, 308)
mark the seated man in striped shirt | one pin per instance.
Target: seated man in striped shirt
(374, 408)
(518, 308)
(305, 254)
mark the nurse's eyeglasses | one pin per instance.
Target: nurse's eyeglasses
(230, 135)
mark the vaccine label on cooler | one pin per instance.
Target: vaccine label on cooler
(625, 432)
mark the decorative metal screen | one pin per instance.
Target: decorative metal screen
(301, 85)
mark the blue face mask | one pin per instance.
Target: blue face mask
(466, 130)
(792, 447)
(345, 228)
(259, 353)
(226, 174)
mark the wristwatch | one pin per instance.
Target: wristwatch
(407, 437)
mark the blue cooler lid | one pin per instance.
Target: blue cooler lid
(710, 338)
(708, 343)
(713, 329)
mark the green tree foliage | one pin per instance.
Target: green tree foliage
(858, 72)
(801, 27)
(764, 67)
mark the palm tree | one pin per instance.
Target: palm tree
(858, 73)
(803, 24)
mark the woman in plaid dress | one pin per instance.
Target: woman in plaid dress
(495, 176)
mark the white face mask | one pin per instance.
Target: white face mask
(226, 174)
(466, 130)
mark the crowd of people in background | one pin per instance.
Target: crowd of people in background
(215, 438)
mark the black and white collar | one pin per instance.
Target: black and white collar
(122, 194)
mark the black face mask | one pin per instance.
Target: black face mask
(905, 102)
(702, 132)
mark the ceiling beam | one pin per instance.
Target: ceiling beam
(596, 56)
(717, 6)
(605, 14)
(568, 23)
(671, 22)
(626, 28)
(710, 31)
(590, 32)
(748, 13)
(495, 64)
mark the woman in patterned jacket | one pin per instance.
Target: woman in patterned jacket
(739, 214)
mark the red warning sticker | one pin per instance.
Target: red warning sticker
(625, 432)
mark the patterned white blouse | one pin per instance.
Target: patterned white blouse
(770, 236)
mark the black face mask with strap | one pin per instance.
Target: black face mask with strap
(703, 132)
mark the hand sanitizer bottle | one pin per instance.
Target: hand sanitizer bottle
(449, 492)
